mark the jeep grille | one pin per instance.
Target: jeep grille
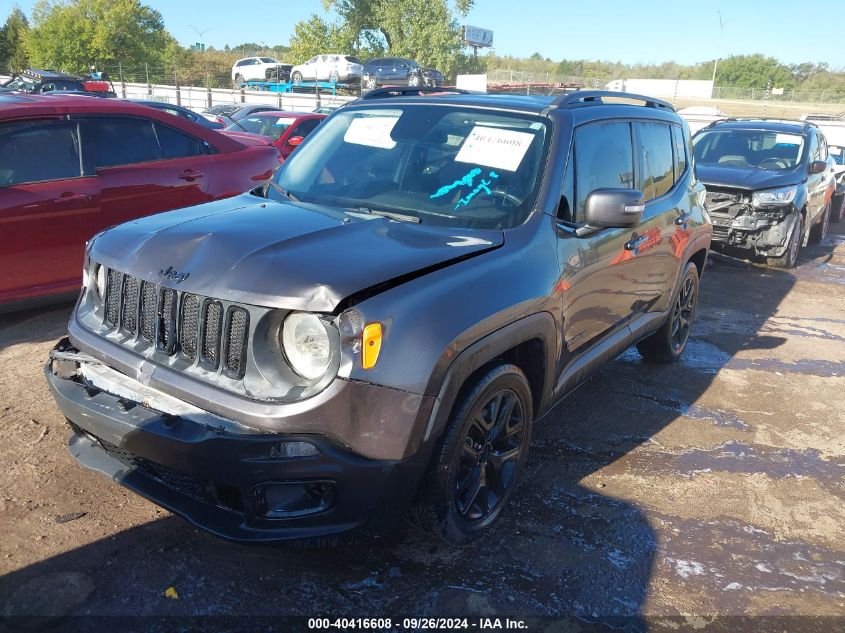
(197, 328)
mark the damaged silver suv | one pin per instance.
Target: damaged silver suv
(769, 186)
(376, 329)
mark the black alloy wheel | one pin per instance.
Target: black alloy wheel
(683, 313)
(668, 343)
(492, 447)
(479, 457)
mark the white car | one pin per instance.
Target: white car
(251, 69)
(337, 68)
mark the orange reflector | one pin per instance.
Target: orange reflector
(371, 339)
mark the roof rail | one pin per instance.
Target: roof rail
(401, 91)
(594, 97)
(771, 120)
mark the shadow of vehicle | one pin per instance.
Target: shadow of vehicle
(45, 323)
(577, 542)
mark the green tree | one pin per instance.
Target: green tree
(424, 30)
(72, 35)
(13, 37)
(753, 71)
(314, 36)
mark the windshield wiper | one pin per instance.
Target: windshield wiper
(401, 217)
(287, 194)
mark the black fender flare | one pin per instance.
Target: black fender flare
(540, 325)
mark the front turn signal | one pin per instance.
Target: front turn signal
(371, 345)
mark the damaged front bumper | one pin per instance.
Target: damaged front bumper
(759, 231)
(234, 481)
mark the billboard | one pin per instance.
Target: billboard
(474, 36)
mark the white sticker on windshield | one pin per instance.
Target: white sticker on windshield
(495, 147)
(285, 121)
(371, 131)
(787, 139)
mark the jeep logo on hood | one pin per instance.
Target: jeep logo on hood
(173, 275)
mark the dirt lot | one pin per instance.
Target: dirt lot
(712, 487)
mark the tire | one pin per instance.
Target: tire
(370, 83)
(668, 343)
(790, 257)
(333, 77)
(296, 77)
(480, 450)
(838, 206)
(414, 80)
(238, 81)
(819, 231)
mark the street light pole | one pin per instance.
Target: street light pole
(722, 23)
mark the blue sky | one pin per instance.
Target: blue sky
(629, 31)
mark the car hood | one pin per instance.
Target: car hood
(259, 252)
(748, 178)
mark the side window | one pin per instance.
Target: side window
(655, 178)
(114, 141)
(175, 144)
(680, 151)
(604, 158)
(306, 127)
(38, 152)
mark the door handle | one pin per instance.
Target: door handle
(190, 175)
(72, 197)
(634, 242)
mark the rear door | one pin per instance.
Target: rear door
(659, 246)
(48, 208)
(144, 167)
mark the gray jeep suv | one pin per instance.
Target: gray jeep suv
(377, 328)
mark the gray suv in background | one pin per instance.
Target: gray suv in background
(378, 328)
(769, 186)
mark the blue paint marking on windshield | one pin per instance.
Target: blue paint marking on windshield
(484, 185)
(466, 180)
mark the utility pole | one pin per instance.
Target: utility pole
(722, 23)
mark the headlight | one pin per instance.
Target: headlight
(774, 196)
(306, 344)
(101, 281)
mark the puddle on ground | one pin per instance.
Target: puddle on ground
(735, 561)
(807, 366)
(737, 457)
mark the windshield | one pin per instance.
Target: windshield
(837, 153)
(441, 165)
(270, 126)
(762, 149)
(225, 109)
(24, 84)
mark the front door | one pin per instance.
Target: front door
(600, 277)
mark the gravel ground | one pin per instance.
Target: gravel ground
(712, 487)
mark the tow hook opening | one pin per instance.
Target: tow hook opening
(290, 499)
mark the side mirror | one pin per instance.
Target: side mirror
(614, 208)
(293, 141)
(817, 167)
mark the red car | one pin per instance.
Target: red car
(71, 166)
(286, 129)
